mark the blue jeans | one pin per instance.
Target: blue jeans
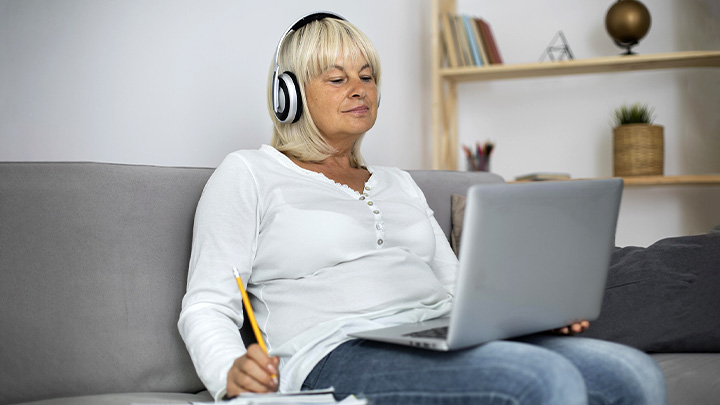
(539, 369)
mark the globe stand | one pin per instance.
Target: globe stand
(627, 46)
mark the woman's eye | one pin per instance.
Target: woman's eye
(367, 78)
(337, 81)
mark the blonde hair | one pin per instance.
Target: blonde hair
(307, 53)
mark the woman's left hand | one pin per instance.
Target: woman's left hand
(573, 329)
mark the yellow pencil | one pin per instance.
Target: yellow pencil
(249, 311)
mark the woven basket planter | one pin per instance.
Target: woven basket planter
(638, 150)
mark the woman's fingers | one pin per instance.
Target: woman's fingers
(253, 372)
(577, 327)
(269, 364)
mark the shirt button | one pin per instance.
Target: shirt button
(380, 241)
(370, 203)
(376, 212)
(362, 197)
(367, 188)
(378, 227)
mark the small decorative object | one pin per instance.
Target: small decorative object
(638, 144)
(627, 22)
(557, 52)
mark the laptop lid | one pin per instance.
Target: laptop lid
(534, 256)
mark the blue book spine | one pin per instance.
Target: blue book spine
(477, 59)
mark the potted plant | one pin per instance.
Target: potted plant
(638, 144)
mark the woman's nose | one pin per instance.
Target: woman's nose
(358, 89)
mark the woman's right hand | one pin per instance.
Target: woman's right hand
(253, 372)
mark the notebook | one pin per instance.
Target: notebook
(534, 257)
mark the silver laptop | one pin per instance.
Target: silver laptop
(533, 257)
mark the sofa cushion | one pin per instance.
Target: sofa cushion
(93, 266)
(691, 378)
(129, 399)
(458, 215)
(664, 298)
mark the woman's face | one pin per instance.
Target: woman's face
(343, 101)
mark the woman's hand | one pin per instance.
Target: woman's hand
(573, 329)
(253, 372)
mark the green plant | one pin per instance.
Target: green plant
(634, 114)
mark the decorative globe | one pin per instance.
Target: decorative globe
(627, 22)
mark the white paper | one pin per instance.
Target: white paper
(313, 397)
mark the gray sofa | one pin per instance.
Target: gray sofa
(93, 262)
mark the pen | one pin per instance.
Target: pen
(480, 156)
(249, 312)
(470, 158)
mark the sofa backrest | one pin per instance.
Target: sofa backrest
(439, 186)
(93, 267)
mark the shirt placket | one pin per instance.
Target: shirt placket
(377, 214)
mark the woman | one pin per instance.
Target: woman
(329, 246)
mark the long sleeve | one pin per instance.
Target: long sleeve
(224, 236)
(444, 263)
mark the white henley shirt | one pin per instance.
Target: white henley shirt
(319, 259)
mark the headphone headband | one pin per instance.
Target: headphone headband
(289, 108)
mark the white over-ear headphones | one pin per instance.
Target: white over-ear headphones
(285, 91)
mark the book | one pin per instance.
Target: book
(479, 40)
(472, 41)
(490, 43)
(465, 57)
(543, 176)
(446, 21)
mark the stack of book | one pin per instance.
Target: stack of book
(543, 176)
(468, 41)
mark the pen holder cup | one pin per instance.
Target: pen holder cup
(479, 163)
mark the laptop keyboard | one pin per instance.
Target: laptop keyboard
(437, 333)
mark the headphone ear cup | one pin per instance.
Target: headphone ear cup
(290, 100)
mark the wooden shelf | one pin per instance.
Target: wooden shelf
(620, 63)
(445, 95)
(647, 181)
(687, 180)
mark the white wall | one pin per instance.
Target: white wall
(183, 83)
(179, 82)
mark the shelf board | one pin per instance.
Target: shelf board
(646, 181)
(686, 180)
(619, 63)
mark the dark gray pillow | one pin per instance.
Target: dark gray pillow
(664, 298)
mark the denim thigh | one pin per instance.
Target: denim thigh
(613, 373)
(539, 369)
(501, 372)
